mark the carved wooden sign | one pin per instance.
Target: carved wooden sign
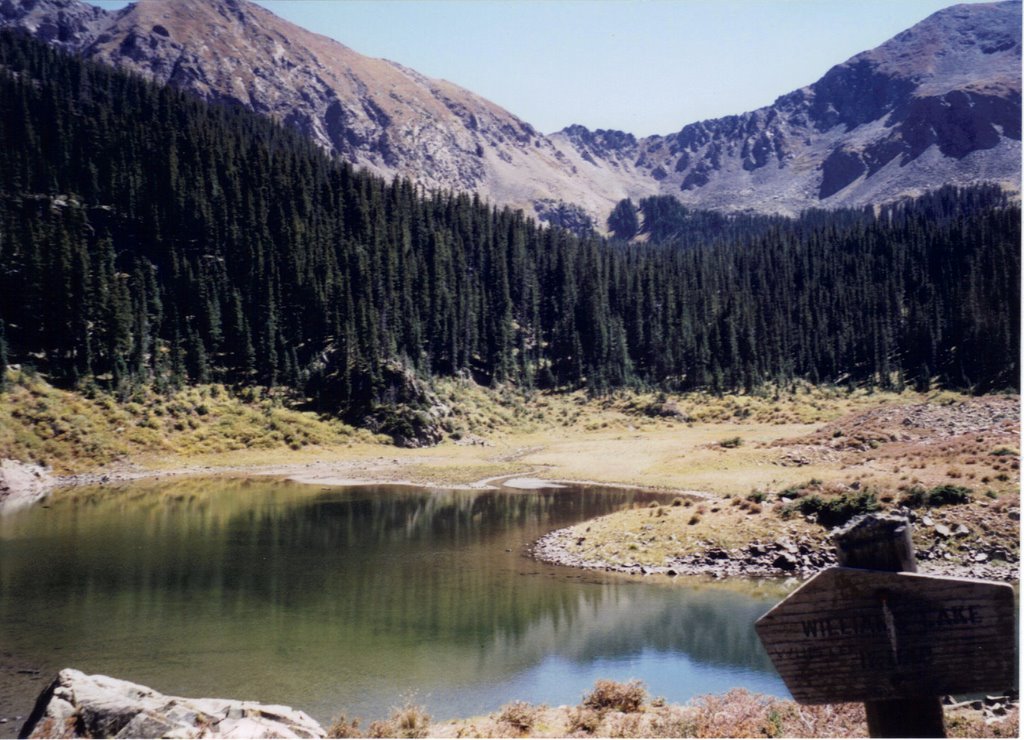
(850, 634)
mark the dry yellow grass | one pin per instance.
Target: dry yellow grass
(72, 432)
(648, 536)
(665, 455)
(644, 439)
(885, 452)
(737, 713)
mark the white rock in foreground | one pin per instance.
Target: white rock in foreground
(22, 484)
(77, 705)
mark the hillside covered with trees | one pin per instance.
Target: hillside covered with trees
(147, 238)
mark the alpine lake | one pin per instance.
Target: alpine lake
(352, 599)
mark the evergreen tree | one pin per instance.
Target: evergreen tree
(207, 243)
(624, 223)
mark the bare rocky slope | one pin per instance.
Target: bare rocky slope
(937, 104)
(375, 113)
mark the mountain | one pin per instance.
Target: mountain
(373, 112)
(938, 104)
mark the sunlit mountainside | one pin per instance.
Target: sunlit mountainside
(938, 104)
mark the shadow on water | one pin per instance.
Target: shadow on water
(331, 599)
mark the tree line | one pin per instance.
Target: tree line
(148, 238)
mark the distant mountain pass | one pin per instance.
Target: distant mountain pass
(938, 104)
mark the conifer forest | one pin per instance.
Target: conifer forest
(150, 239)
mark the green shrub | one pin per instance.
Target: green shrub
(731, 443)
(947, 495)
(836, 511)
(944, 495)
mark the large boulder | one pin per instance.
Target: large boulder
(76, 705)
(22, 484)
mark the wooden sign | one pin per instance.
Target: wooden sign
(850, 634)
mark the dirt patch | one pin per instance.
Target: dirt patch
(973, 442)
(930, 421)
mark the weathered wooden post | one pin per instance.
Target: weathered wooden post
(873, 630)
(883, 543)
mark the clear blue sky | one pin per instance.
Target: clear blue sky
(643, 66)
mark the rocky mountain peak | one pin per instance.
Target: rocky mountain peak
(66, 24)
(957, 46)
(936, 104)
(373, 112)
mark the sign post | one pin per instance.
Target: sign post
(874, 631)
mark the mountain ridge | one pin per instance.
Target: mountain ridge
(937, 104)
(848, 139)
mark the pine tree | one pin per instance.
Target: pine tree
(206, 243)
(624, 222)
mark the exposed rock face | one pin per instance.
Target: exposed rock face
(398, 403)
(373, 112)
(77, 705)
(67, 25)
(407, 410)
(938, 104)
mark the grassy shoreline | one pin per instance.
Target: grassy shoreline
(753, 460)
(76, 432)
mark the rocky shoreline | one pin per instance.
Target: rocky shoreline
(798, 558)
(785, 558)
(23, 484)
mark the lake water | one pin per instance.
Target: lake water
(351, 599)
